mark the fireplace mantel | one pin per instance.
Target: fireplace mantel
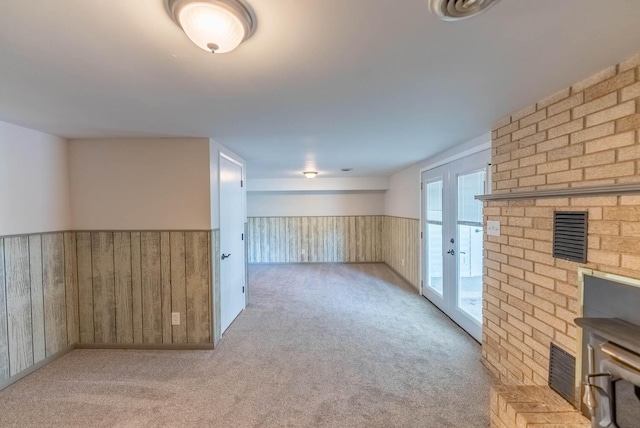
(621, 332)
(569, 192)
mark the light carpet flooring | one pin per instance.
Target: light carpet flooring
(319, 346)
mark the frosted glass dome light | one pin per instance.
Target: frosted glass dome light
(216, 26)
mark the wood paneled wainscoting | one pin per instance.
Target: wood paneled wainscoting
(38, 300)
(401, 245)
(131, 282)
(340, 239)
(315, 239)
(62, 290)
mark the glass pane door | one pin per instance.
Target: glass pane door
(470, 244)
(434, 198)
(452, 226)
(433, 238)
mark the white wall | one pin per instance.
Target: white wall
(318, 184)
(139, 184)
(289, 204)
(34, 181)
(403, 197)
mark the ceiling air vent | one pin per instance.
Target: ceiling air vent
(455, 10)
(570, 236)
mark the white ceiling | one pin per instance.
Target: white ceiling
(370, 84)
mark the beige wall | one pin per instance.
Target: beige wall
(402, 199)
(586, 135)
(139, 184)
(34, 182)
(287, 204)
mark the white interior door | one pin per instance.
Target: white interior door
(232, 268)
(452, 228)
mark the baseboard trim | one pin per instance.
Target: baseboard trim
(139, 346)
(403, 277)
(148, 346)
(37, 366)
(314, 263)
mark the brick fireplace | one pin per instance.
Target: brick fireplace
(580, 138)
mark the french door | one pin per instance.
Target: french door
(452, 239)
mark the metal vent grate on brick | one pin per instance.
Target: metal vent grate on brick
(562, 368)
(570, 236)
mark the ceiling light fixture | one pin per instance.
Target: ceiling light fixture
(310, 174)
(455, 10)
(216, 26)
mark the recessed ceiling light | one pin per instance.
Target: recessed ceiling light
(216, 26)
(310, 174)
(346, 169)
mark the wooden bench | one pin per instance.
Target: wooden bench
(532, 407)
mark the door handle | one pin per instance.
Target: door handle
(451, 252)
(225, 256)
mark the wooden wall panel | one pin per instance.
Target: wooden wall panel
(360, 243)
(136, 286)
(165, 276)
(37, 297)
(178, 285)
(55, 311)
(123, 288)
(312, 239)
(151, 287)
(215, 270)
(61, 288)
(104, 287)
(85, 287)
(18, 298)
(352, 237)
(4, 344)
(322, 239)
(131, 282)
(402, 240)
(274, 238)
(362, 239)
(197, 280)
(71, 287)
(304, 239)
(104, 297)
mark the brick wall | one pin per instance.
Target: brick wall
(586, 135)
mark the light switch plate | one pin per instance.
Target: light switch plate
(175, 318)
(493, 228)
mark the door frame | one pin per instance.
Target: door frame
(216, 151)
(478, 149)
(242, 213)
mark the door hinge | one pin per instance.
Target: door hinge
(242, 237)
(421, 188)
(241, 183)
(242, 290)
(421, 235)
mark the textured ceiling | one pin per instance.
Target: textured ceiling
(370, 84)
